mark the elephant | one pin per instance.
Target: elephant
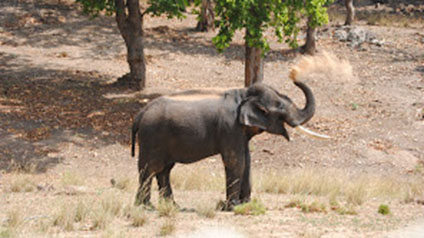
(189, 126)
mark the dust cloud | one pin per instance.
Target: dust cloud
(322, 65)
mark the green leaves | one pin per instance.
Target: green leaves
(172, 8)
(95, 7)
(255, 16)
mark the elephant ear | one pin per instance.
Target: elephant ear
(252, 113)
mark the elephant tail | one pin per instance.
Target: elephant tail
(135, 130)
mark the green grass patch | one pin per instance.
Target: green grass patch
(254, 207)
(384, 209)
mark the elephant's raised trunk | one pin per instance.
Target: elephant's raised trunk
(302, 116)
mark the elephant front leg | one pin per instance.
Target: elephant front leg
(246, 187)
(234, 168)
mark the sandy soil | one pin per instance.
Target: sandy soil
(60, 113)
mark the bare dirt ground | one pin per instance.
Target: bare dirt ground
(62, 119)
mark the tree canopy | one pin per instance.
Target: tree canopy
(255, 16)
(172, 8)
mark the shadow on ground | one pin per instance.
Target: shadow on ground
(41, 109)
(49, 25)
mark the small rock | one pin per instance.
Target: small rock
(356, 36)
(73, 190)
(370, 36)
(340, 35)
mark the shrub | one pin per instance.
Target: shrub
(253, 207)
(384, 209)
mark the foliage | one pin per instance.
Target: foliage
(95, 7)
(384, 209)
(255, 16)
(253, 207)
(172, 8)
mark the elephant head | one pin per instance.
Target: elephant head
(268, 110)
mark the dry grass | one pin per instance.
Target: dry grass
(206, 210)
(378, 18)
(96, 213)
(389, 19)
(65, 217)
(8, 233)
(197, 178)
(355, 189)
(167, 208)
(22, 183)
(314, 206)
(167, 228)
(331, 190)
(111, 203)
(347, 209)
(82, 211)
(122, 183)
(71, 179)
(307, 206)
(137, 216)
(100, 219)
(15, 219)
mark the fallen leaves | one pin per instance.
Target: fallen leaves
(66, 100)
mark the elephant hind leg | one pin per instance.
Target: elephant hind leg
(163, 179)
(144, 189)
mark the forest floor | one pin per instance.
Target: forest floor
(65, 130)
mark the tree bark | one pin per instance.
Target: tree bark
(130, 25)
(350, 12)
(310, 45)
(254, 66)
(207, 16)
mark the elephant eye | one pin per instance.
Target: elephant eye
(262, 109)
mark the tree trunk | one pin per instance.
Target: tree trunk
(350, 12)
(130, 25)
(310, 44)
(254, 66)
(393, 5)
(207, 16)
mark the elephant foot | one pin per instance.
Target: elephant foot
(245, 200)
(169, 201)
(146, 204)
(227, 205)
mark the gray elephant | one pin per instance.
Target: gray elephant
(189, 126)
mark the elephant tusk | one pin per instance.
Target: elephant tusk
(312, 133)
